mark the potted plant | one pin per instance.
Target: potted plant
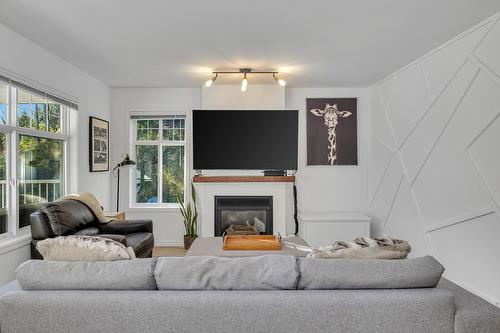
(190, 215)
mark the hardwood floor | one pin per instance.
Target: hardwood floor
(168, 251)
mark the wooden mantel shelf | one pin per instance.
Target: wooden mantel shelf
(244, 179)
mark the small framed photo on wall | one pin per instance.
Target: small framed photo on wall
(98, 144)
(332, 137)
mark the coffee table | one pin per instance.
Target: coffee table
(212, 246)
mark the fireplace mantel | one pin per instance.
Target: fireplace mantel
(243, 179)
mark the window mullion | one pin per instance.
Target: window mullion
(12, 118)
(160, 174)
(14, 184)
(12, 179)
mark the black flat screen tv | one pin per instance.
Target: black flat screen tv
(245, 140)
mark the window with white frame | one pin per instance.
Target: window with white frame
(159, 151)
(33, 139)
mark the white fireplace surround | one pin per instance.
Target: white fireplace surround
(282, 203)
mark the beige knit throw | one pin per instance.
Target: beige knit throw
(364, 248)
(90, 201)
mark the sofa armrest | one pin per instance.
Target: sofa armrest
(472, 314)
(39, 227)
(117, 238)
(126, 227)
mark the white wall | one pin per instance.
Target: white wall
(230, 97)
(167, 223)
(339, 188)
(32, 62)
(320, 189)
(434, 166)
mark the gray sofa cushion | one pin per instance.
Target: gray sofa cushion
(218, 273)
(369, 274)
(137, 274)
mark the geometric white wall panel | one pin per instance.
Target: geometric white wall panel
(479, 107)
(409, 102)
(380, 125)
(386, 88)
(447, 188)
(404, 222)
(469, 252)
(450, 154)
(379, 159)
(440, 66)
(419, 144)
(386, 192)
(489, 50)
(485, 154)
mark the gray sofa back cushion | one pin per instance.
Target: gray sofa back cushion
(419, 272)
(137, 274)
(217, 273)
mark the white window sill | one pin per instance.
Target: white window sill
(9, 244)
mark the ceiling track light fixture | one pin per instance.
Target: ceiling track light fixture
(244, 82)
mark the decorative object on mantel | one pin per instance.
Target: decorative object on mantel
(190, 216)
(364, 248)
(332, 131)
(126, 162)
(98, 144)
(252, 242)
(244, 81)
(244, 179)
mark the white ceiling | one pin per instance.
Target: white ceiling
(176, 43)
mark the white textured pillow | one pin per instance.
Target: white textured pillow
(83, 248)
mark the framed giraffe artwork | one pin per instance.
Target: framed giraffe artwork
(332, 134)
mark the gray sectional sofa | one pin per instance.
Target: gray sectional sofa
(255, 294)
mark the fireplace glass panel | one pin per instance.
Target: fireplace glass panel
(243, 215)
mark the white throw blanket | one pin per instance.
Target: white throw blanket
(364, 248)
(90, 201)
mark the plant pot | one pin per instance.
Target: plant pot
(188, 240)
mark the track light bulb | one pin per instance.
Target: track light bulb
(208, 83)
(244, 83)
(281, 82)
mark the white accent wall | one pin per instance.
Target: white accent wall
(34, 63)
(434, 170)
(320, 188)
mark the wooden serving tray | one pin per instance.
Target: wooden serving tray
(252, 242)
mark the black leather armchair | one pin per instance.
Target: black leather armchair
(71, 217)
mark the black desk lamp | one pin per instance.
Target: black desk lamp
(125, 163)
